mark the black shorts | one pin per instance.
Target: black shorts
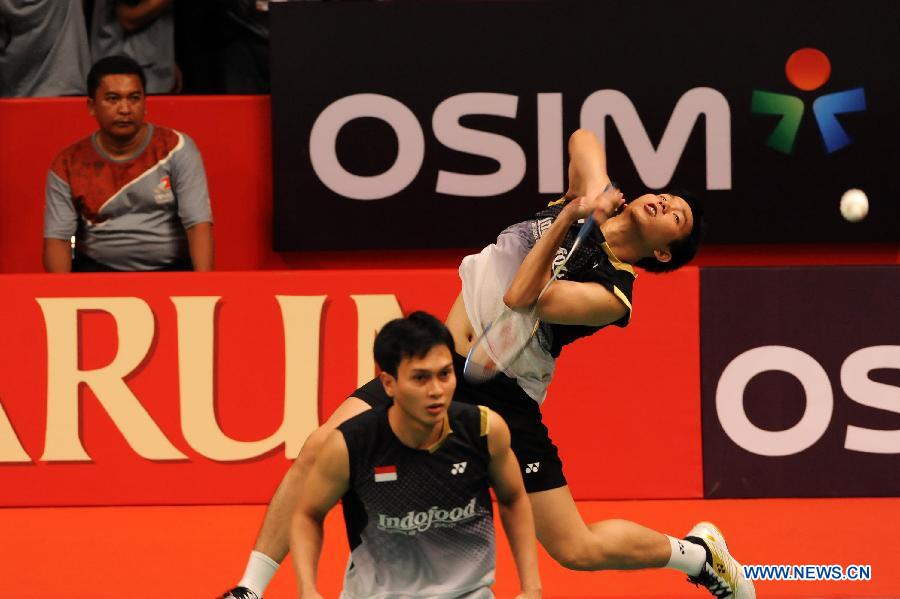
(537, 454)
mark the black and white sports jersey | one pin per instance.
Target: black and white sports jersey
(486, 276)
(593, 263)
(419, 521)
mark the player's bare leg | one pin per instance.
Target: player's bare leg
(625, 545)
(605, 545)
(272, 542)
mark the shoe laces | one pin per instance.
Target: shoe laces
(715, 584)
(240, 593)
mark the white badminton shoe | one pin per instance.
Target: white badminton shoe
(722, 575)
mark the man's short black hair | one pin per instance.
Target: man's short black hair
(113, 65)
(410, 337)
(684, 249)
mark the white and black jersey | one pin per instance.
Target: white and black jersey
(487, 275)
(419, 521)
(594, 263)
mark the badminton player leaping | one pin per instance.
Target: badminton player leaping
(657, 232)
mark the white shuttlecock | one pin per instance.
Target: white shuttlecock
(854, 205)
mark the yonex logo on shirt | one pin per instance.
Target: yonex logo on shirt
(532, 467)
(416, 522)
(458, 468)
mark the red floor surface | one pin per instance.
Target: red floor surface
(190, 552)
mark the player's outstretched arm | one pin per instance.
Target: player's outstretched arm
(515, 509)
(587, 165)
(590, 197)
(327, 482)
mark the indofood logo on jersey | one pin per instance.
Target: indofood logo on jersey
(416, 522)
(808, 69)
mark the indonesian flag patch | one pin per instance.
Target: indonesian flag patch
(384, 474)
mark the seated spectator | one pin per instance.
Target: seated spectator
(43, 48)
(143, 30)
(133, 194)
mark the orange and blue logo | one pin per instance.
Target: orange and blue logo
(808, 69)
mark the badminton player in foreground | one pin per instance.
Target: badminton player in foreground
(414, 476)
(657, 232)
